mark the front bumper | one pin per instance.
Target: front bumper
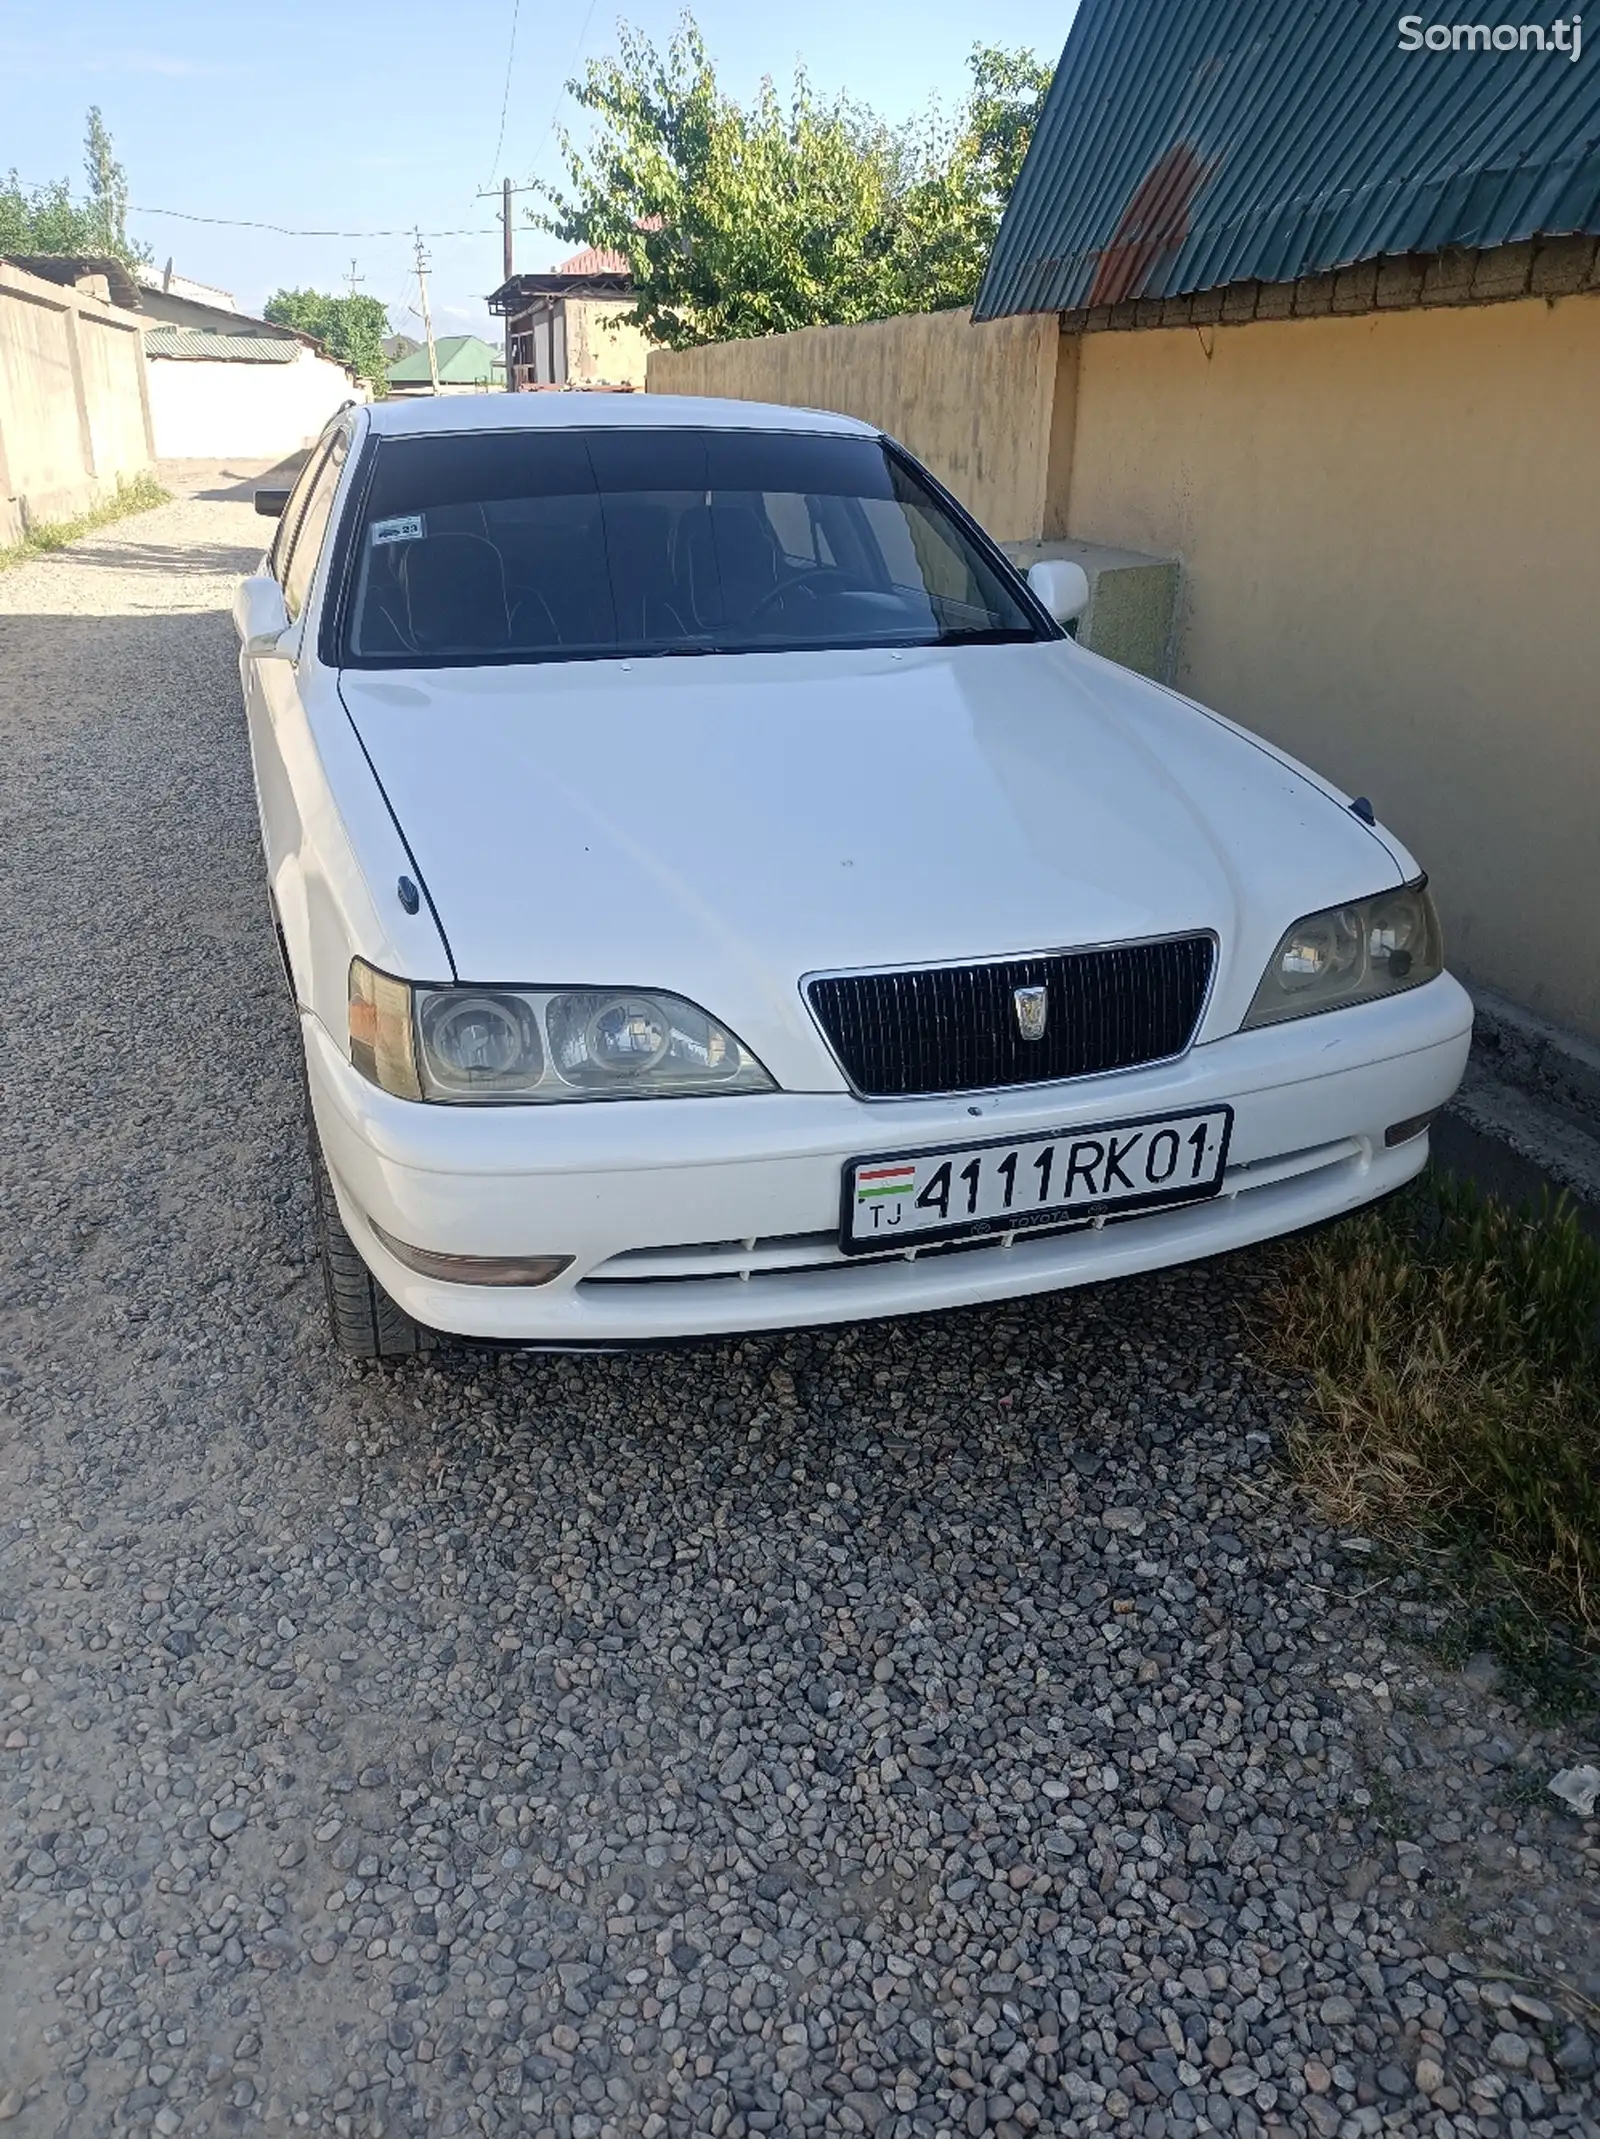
(693, 1217)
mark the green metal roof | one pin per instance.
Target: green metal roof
(195, 342)
(464, 360)
(1188, 144)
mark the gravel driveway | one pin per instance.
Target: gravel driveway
(931, 1728)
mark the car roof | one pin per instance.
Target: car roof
(600, 411)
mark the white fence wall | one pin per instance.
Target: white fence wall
(210, 409)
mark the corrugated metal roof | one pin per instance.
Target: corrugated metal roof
(193, 342)
(1187, 144)
(463, 360)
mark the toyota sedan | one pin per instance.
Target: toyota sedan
(719, 894)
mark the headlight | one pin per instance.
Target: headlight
(479, 1046)
(1351, 954)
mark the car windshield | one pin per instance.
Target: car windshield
(530, 545)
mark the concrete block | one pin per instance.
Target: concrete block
(1399, 284)
(1503, 271)
(1275, 300)
(1562, 267)
(1205, 308)
(1175, 311)
(1355, 288)
(1313, 296)
(1075, 321)
(1447, 276)
(1099, 319)
(1239, 303)
(1133, 601)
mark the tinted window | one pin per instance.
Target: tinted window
(313, 525)
(539, 545)
(283, 540)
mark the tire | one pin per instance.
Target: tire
(366, 1322)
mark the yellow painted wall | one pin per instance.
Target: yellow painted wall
(601, 346)
(1387, 526)
(974, 403)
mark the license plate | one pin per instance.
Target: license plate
(1012, 1184)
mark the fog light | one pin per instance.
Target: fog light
(1401, 1132)
(474, 1269)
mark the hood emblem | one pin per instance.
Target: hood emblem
(1033, 1009)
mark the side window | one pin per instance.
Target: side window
(313, 526)
(283, 540)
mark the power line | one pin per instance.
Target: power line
(577, 54)
(282, 230)
(505, 94)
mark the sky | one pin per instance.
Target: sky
(318, 117)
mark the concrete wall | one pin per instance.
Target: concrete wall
(1387, 533)
(975, 403)
(73, 412)
(214, 410)
(600, 346)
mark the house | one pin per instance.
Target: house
(166, 278)
(395, 346)
(1330, 314)
(225, 384)
(567, 327)
(221, 384)
(1291, 334)
(467, 365)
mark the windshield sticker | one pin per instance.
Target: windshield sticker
(408, 529)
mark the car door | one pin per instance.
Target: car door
(271, 683)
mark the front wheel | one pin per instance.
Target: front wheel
(366, 1322)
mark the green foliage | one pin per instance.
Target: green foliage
(352, 327)
(790, 212)
(48, 220)
(137, 493)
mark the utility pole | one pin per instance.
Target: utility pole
(506, 190)
(508, 265)
(427, 317)
(353, 278)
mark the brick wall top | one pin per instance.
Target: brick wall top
(1544, 267)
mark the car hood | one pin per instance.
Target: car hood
(723, 825)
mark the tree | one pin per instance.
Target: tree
(1008, 93)
(46, 219)
(352, 327)
(790, 212)
(108, 188)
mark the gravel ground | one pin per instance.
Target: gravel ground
(922, 1729)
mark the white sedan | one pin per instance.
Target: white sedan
(718, 894)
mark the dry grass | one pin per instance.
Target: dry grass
(1453, 1350)
(139, 495)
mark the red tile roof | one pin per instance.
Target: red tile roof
(593, 261)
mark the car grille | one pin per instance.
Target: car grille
(956, 1028)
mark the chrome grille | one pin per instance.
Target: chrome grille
(956, 1028)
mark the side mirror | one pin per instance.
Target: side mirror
(1060, 587)
(270, 503)
(259, 614)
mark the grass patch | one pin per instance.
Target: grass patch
(139, 495)
(1453, 1350)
